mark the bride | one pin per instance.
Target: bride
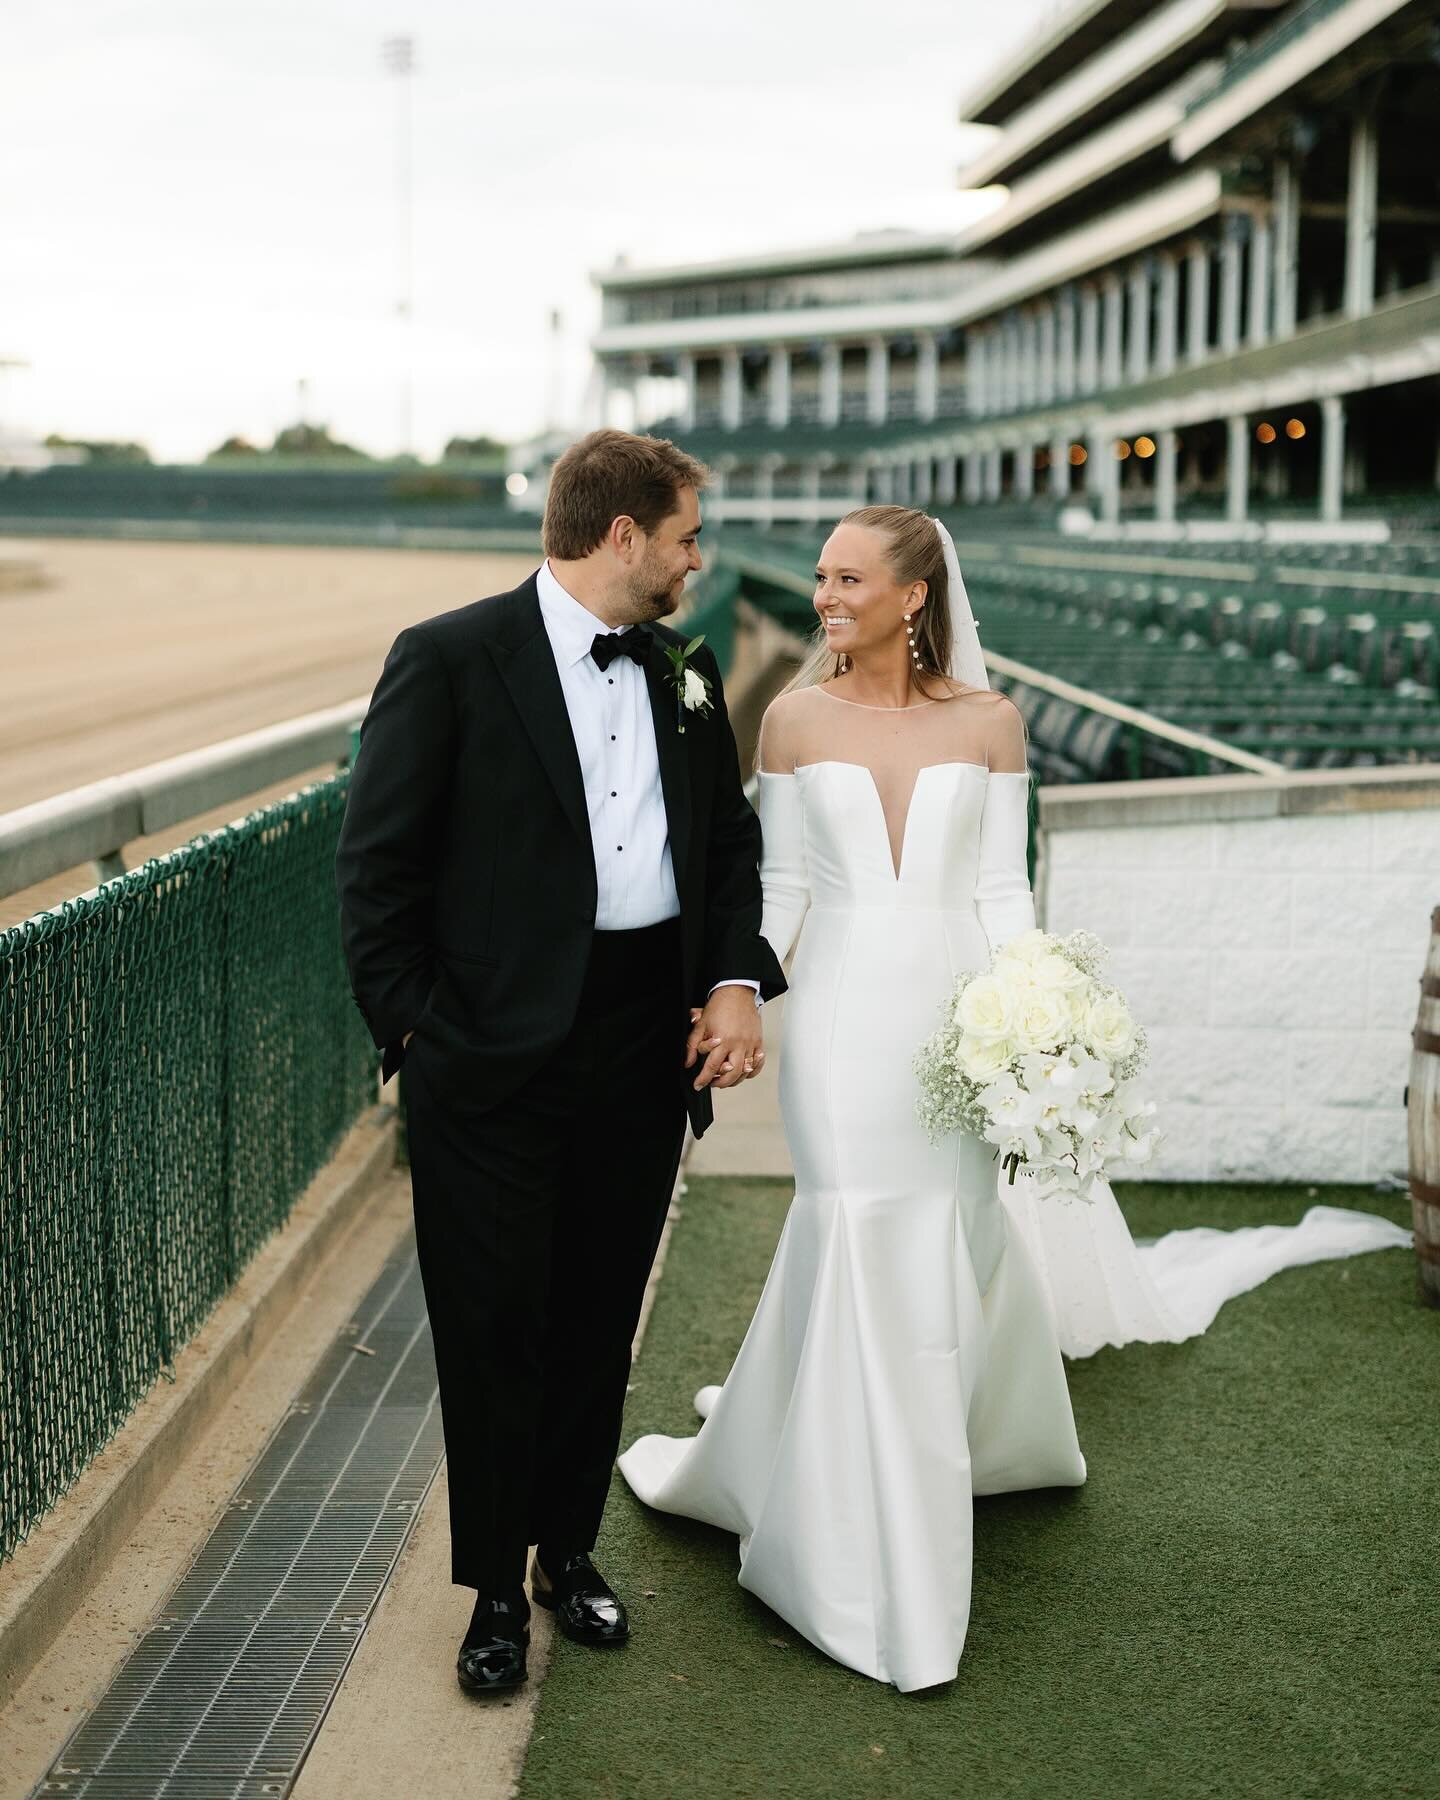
(905, 1353)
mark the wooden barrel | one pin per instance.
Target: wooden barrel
(1424, 1113)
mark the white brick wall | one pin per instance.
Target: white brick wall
(1275, 962)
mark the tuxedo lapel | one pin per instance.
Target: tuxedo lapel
(674, 764)
(527, 667)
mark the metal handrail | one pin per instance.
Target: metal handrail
(1195, 741)
(94, 823)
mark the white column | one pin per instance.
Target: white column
(877, 381)
(1287, 246)
(777, 409)
(1088, 373)
(1257, 327)
(1012, 363)
(1025, 471)
(1105, 476)
(1060, 465)
(922, 483)
(1197, 302)
(765, 491)
(1066, 346)
(1112, 368)
(1049, 336)
(810, 484)
(927, 376)
(977, 375)
(884, 484)
(945, 480)
(1167, 307)
(1231, 249)
(900, 489)
(685, 370)
(730, 388)
(1237, 469)
(1137, 361)
(1360, 217)
(1332, 457)
(994, 475)
(1029, 346)
(830, 384)
(974, 477)
(1166, 455)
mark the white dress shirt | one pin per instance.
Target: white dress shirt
(614, 729)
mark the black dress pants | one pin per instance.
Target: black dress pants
(537, 1223)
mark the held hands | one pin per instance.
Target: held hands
(728, 1031)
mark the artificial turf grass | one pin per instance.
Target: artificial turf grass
(1240, 1601)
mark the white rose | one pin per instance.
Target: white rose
(1028, 946)
(1108, 1028)
(1058, 973)
(694, 694)
(1042, 1020)
(1011, 972)
(982, 1058)
(986, 1010)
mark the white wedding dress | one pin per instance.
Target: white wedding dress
(905, 1353)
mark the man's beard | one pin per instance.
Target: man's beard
(650, 598)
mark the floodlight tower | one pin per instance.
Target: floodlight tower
(398, 55)
(6, 363)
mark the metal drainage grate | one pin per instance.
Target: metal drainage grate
(224, 1694)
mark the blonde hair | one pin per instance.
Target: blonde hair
(913, 552)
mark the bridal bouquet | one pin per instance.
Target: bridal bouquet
(1038, 1056)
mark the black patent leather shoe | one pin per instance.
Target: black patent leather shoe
(584, 1604)
(492, 1658)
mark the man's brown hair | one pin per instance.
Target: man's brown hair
(607, 474)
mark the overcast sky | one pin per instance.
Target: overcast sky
(197, 201)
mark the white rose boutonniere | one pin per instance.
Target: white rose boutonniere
(692, 689)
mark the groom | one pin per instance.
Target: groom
(550, 909)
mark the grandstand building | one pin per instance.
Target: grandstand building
(1208, 305)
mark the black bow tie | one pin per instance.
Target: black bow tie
(633, 643)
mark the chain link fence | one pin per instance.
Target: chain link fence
(179, 1056)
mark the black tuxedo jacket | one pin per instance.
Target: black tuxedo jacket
(465, 872)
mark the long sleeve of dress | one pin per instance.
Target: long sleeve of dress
(783, 877)
(1003, 900)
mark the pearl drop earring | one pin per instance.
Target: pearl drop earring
(910, 635)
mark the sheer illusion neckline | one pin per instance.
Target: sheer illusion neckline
(895, 846)
(864, 707)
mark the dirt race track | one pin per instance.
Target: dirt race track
(132, 652)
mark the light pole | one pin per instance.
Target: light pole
(398, 55)
(553, 373)
(7, 363)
